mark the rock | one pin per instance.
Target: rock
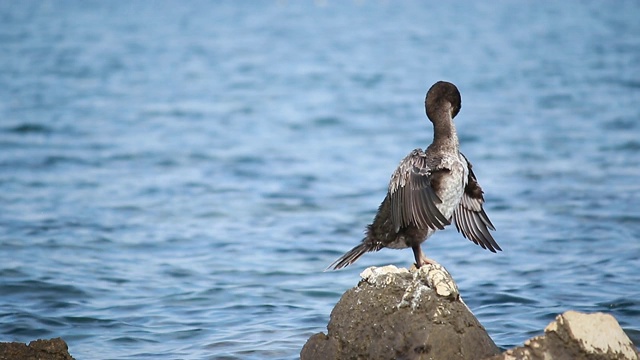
(579, 336)
(401, 314)
(53, 349)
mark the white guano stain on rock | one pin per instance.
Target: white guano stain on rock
(380, 276)
(419, 283)
(413, 296)
(439, 279)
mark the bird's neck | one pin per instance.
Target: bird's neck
(445, 135)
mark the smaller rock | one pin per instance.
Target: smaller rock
(52, 349)
(575, 335)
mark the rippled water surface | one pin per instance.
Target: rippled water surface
(174, 176)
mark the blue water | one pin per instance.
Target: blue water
(175, 176)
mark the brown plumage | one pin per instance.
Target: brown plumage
(428, 190)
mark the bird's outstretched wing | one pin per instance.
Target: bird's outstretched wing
(470, 219)
(413, 199)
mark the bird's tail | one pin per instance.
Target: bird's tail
(350, 257)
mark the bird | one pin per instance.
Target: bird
(428, 191)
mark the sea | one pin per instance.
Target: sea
(176, 176)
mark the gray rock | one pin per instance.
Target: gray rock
(401, 314)
(578, 336)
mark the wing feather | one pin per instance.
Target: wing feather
(413, 199)
(470, 218)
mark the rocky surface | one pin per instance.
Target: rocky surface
(400, 314)
(52, 349)
(575, 335)
(418, 314)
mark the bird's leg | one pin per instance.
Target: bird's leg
(420, 258)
